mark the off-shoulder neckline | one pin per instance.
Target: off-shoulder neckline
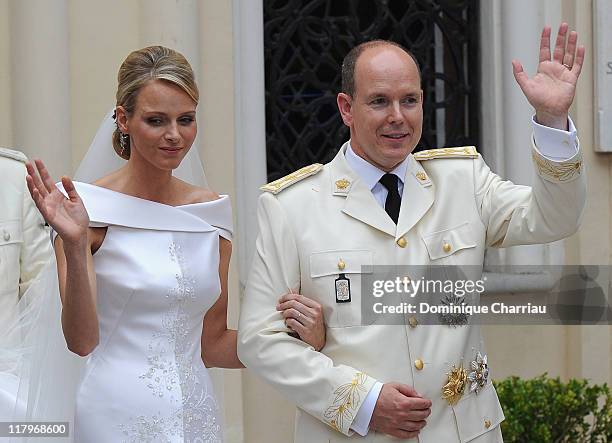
(217, 200)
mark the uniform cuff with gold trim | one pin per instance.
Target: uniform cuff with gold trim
(557, 171)
(555, 144)
(346, 400)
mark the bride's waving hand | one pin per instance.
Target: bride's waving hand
(67, 216)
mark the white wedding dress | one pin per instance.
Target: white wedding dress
(157, 273)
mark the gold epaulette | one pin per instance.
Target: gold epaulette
(15, 155)
(278, 185)
(461, 152)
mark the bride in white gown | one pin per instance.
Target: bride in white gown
(142, 259)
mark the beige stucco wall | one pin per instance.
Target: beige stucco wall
(101, 34)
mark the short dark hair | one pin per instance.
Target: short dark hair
(350, 61)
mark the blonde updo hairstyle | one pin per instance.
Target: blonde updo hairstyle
(142, 66)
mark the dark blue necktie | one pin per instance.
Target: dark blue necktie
(394, 200)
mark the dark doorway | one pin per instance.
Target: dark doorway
(305, 42)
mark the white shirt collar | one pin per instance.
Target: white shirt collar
(367, 172)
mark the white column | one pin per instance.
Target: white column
(40, 81)
(522, 43)
(250, 124)
(492, 98)
(522, 46)
(6, 109)
(273, 421)
(506, 112)
(173, 24)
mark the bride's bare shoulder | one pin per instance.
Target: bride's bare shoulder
(196, 194)
(108, 181)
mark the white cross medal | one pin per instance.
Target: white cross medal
(343, 289)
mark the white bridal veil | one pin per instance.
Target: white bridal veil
(38, 375)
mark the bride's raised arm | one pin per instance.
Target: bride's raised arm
(73, 246)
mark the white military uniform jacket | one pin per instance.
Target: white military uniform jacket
(25, 246)
(452, 208)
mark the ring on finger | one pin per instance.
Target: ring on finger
(567, 66)
(299, 314)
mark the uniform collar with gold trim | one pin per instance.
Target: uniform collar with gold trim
(370, 174)
(346, 171)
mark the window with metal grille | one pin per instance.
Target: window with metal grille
(305, 42)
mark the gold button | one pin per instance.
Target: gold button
(413, 322)
(421, 176)
(418, 363)
(447, 247)
(341, 265)
(487, 424)
(401, 242)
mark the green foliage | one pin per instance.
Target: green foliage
(543, 410)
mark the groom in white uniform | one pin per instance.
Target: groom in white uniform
(376, 203)
(25, 246)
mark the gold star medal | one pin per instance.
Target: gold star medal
(452, 391)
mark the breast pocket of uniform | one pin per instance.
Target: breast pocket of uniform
(479, 415)
(336, 280)
(11, 240)
(446, 246)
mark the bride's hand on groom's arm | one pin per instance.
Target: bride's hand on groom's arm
(304, 316)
